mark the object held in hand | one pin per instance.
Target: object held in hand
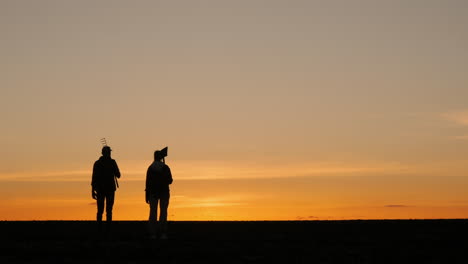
(163, 152)
(160, 154)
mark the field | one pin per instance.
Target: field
(375, 241)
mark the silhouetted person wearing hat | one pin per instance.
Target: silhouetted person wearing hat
(158, 178)
(105, 174)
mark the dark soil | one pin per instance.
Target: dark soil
(386, 241)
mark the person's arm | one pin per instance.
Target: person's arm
(147, 185)
(169, 175)
(116, 170)
(93, 182)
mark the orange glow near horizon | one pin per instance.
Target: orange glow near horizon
(317, 192)
(217, 211)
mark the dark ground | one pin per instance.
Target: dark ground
(399, 241)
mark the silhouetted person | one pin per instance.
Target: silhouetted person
(105, 172)
(158, 178)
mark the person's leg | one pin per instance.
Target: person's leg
(100, 207)
(109, 205)
(164, 204)
(152, 221)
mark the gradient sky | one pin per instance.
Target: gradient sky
(272, 110)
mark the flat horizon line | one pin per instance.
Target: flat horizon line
(318, 220)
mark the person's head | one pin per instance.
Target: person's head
(106, 151)
(158, 155)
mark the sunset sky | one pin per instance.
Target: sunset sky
(272, 110)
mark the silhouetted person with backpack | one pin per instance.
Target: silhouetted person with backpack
(158, 178)
(104, 183)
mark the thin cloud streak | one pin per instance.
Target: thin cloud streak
(205, 171)
(217, 201)
(457, 117)
(230, 171)
(46, 176)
